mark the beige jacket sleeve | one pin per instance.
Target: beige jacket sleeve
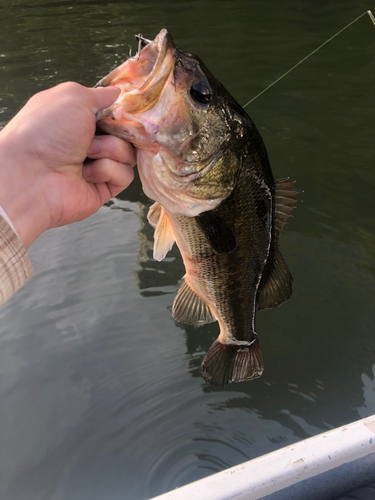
(15, 265)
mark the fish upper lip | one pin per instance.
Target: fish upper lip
(162, 42)
(137, 82)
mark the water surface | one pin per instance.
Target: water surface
(100, 389)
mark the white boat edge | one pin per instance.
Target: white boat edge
(323, 466)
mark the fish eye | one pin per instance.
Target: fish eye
(201, 93)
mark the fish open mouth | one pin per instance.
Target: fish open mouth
(143, 76)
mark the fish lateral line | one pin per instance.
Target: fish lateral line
(309, 55)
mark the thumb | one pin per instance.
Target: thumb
(104, 97)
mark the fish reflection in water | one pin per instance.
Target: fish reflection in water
(152, 277)
(202, 160)
(152, 273)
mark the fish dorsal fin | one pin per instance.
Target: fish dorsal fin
(278, 287)
(189, 308)
(163, 236)
(154, 214)
(285, 199)
(218, 233)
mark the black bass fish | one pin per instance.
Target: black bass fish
(203, 162)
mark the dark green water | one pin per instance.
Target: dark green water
(100, 389)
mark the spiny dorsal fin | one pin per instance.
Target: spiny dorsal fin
(154, 214)
(227, 363)
(285, 199)
(163, 236)
(278, 287)
(189, 308)
(218, 233)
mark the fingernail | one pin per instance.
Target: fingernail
(95, 146)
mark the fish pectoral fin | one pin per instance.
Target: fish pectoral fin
(189, 308)
(154, 213)
(278, 287)
(163, 236)
(285, 199)
(219, 234)
(225, 363)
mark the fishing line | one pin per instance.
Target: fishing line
(311, 53)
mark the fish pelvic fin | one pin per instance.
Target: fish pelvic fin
(189, 308)
(278, 287)
(285, 199)
(154, 213)
(163, 236)
(225, 363)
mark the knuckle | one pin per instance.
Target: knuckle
(127, 152)
(102, 166)
(70, 87)
(117, 149)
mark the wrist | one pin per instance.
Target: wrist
(4, 215)
(20, 196)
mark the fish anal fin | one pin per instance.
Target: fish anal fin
(189, 308)
(218, 233)
(278, 287)
(163, 236)
(285, 200)
(225, 363)
(154, 213)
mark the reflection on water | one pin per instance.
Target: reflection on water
(152, 274)
(153, 278)
(100, 389)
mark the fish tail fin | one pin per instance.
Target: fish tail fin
(225, 363)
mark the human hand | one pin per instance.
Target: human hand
(43, 182)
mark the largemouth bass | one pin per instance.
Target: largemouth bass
(203, 162)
